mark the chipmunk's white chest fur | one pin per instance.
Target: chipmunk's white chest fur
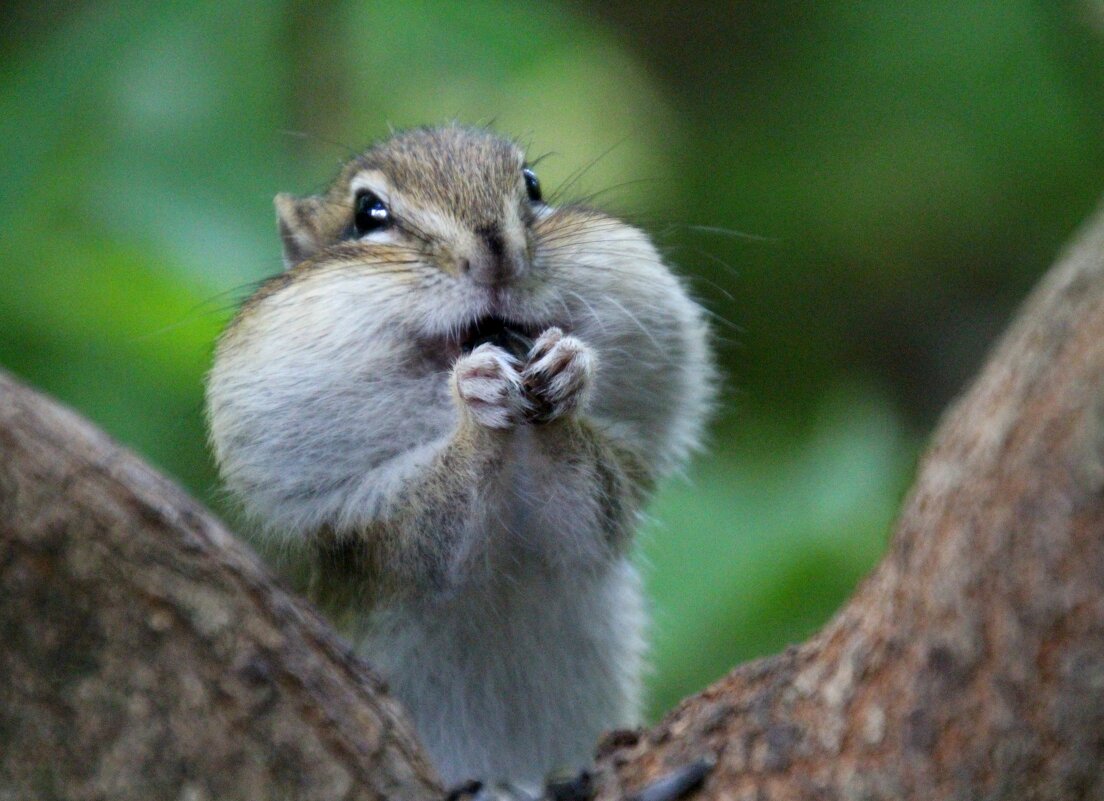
(535, 650)
(518, 664)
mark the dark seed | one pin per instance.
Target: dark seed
(498, 332)
(575, 788)
(465, 790)
(677, 783)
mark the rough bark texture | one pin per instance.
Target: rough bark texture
(971, 663)
(146, 654)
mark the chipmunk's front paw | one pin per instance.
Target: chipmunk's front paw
(557, 376)
(490, 388)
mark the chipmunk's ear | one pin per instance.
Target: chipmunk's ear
(299, 220)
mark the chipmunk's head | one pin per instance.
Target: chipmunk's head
(450, 227)
(462, 199)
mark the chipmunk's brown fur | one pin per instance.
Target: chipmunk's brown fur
(455, 402)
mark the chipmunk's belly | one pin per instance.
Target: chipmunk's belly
(509, 681)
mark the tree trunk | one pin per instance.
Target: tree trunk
(147, 654)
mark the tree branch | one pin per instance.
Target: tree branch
(147, 654)
(971, 663)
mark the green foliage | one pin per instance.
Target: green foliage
(906, 170)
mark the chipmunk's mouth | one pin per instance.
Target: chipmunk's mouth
(514, 338)
(511, 337)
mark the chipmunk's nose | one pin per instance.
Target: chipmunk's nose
(494, 262)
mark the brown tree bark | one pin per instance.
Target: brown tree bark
(144, 653)
(971, 663)
(147, 654)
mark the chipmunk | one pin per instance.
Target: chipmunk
(454, 403)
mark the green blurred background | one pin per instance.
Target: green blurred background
(861, 192)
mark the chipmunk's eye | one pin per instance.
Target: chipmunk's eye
(532, 185)
(371, 214)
